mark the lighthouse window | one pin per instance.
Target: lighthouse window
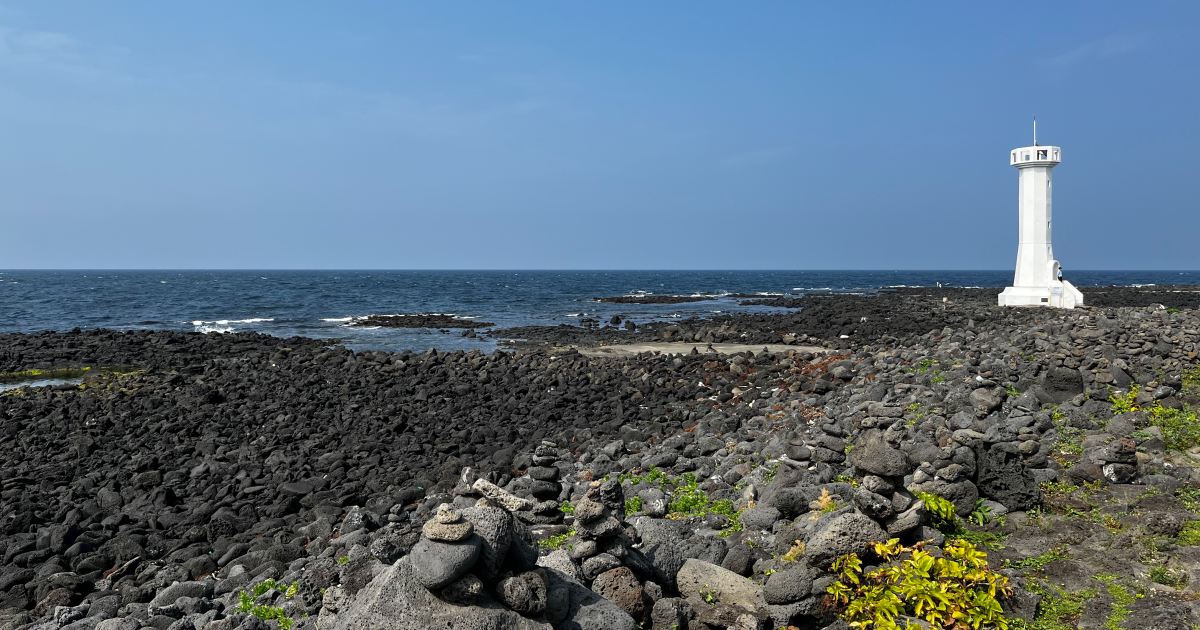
(1041, 155)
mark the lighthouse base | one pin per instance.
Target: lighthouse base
(1059, 294)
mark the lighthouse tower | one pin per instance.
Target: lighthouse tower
(1036, 282)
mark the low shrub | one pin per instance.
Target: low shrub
(958, 590)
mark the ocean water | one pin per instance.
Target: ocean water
(322, 303)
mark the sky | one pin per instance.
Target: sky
(617, 135)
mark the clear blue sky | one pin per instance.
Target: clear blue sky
(592, 135)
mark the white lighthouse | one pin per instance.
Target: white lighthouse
(1037, 280)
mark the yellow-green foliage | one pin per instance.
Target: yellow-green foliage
(941, 509)
(1124, 403)
(1189, 536)
(1122, 600)
(554, 542)
(958, 590)
(266, 613)
(689, 500)
(794, 553)
(1058, 610)
(1038, 562)
(27, 375)
(1180, 427)
(947, 522)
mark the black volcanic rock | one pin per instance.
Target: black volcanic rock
(435, 320)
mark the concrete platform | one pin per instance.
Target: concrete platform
(625, 350)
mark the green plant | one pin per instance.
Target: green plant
(1058, 489)
(981, 515)
(567, 507)
(918, 413)
(943, 519)
(942, 511)
(826, 503)
(1122, 599)
(1068, 447)
(633, 506)
(769, 476)
(1167, 577)
(689, 500)
(266, 613)
(842, 478)
(795, 552)
(709, 596)
(556, 541)
(1058, 609)
(1012, 391)
(1038, 562)
(724, 507)
(1125, 403)
(43, 374)
(958, 589)
(1189, 536)
(923, 366)
(751, 543)
(343, 560)
(1190, 499)
(937, 377)
(1180, 427)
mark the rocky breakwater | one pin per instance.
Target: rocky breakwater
(843, 320)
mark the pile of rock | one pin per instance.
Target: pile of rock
(474, 568)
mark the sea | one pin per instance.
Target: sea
(325, 304)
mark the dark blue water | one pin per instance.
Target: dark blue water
(321, 303)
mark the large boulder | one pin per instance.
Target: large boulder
(525, 593)
(494, 527)
(963, 494)
(395, 600)
(586, 609)
(699, 581)
(848, 533)
(872, 454)
(1059, 384)
(666, 560)
(437, 564)
(790, 585)
(1002, 477)
(622, 588)
(987, 399)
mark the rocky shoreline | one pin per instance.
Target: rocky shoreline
(247, 481)
(654, 299)
(435, 320)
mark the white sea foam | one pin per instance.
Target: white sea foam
(226, 325)
(337, 319)
(226, 322)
